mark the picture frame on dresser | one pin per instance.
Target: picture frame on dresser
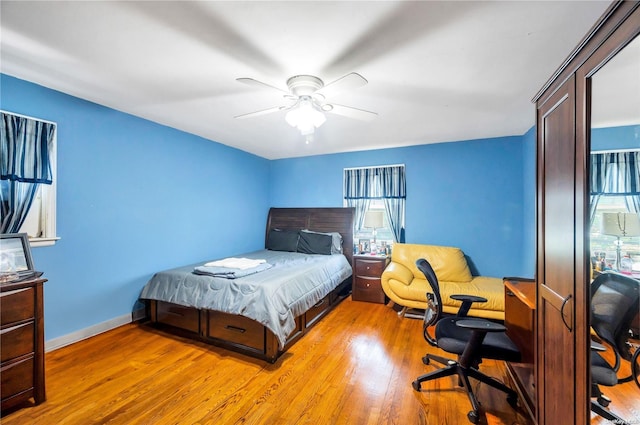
(15, 257)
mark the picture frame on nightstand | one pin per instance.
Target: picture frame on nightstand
(364, 245)
(15, 257)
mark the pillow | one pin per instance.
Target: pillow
(336, 240)
(283, 240)
(314, 243)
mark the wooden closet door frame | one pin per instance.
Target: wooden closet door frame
(618, 26)
(560, 372)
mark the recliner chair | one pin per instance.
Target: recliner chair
(472, 340)
(615, 302)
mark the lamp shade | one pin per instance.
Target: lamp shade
(374, 219)
(305, 116)
(620, 224)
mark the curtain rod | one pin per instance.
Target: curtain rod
(373, 166)
(28, 117)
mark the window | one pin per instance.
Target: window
(383, 235)
(40, 222)
(604, 247)
(376, 189)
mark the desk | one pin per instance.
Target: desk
(519, 319)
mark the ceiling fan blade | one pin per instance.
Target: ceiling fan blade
(348, 82)
(261, 112)
(260, 84)
(350, 112)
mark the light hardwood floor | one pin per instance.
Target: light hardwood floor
(354, 367)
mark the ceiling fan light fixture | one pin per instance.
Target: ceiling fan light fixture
(306, 117)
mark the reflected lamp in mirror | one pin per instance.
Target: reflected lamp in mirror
(620, 225)
(375, 220)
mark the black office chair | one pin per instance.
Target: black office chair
(615, 302)
(471, 339)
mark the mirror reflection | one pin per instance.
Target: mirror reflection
(614, 233)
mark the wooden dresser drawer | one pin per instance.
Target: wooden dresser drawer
(17, 341)
(369, 267)
(368, 289)
(178, 316)
(16, 306)
(16, 378)
(317, 311)
(237, 329)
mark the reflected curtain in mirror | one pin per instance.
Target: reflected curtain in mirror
(615, 174)
(25, 148)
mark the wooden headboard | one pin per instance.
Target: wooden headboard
(317, 219)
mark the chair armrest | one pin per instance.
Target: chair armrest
(481, 325)
(398, 272)
(596, 346)
(466, 300)
(470, 298)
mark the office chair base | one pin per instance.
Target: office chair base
(598, 409)
(455, 368)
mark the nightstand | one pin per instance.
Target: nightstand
(367, 270)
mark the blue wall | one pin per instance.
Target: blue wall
(134, 197)
(612, 138)
(469, 194)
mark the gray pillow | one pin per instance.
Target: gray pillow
(314, 243)
(336, 240)
(283, 240)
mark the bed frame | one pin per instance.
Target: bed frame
(245, 335)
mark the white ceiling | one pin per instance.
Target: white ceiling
(438, 71)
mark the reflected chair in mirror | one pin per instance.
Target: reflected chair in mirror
(615, 302)
(471, 339)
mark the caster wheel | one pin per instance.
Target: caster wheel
(513, 401)
(416, 385)
(426, 360)
(604, 402)
(473, 417)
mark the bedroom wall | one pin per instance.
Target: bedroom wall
(134, 197)
(478, 195)
(612, 138)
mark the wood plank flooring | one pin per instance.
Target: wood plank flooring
(354, 367)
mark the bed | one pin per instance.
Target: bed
(273, 297)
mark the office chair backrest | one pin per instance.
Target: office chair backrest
(615, 301)
(433, 312)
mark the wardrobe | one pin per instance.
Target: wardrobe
(563, 119)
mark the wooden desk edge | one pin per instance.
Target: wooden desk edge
(524, 289)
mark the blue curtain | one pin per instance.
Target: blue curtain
(387, 183)
(25, 146)
(615, 174)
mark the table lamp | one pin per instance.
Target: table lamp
(375, 220)
(620, 225)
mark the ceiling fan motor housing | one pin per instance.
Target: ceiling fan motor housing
(301, 85)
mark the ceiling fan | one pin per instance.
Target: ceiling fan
(306, 96)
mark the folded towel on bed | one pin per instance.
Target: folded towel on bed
(236, 263)
(230, 273)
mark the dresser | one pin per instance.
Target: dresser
(21, 342)
(367, 270)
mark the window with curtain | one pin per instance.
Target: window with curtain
(377, 189)
(27, 177)
(615, 209)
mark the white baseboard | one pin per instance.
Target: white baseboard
(62, 341)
